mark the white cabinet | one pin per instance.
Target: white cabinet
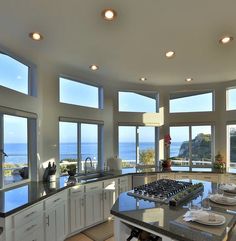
(93, 203)
(28, 224)
(207, 177)
(77, 208)
(56, 217)
(110, 191)
(124, 184)
(166, 176)
(141, 179)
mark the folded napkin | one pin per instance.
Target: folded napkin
(204, 217)
(228, 187)
(222, 199)
(195, 215)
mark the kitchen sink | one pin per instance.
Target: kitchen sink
(92, 176)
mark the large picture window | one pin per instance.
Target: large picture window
(231, 99)
(80, 145)
(137, 147)
(77, 93)
(191, 147)
(137, 101)
(196, 101)
(16, 75)
(231, 146)
(17, 148)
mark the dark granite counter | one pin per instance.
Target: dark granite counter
(16, 198)
(163, 219)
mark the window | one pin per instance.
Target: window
(137, 102)
(231, 99)
(15, 142)
(80, 144)
(231, 145)
(76, 93)
(137, 147)
(197, 101)
(16, 75)
(191, 147)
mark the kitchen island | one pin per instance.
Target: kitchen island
(166, 221)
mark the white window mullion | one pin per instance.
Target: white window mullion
(137, 145)
(79, 156)
(190, 148)
(1, 148)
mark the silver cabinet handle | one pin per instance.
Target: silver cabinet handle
(47, 222)
(58, 199)
(32, 226)
(26, 216)
(105, 195)
(82, 202)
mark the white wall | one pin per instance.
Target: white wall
(48, 109)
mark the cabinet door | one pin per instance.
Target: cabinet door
(50, 225)
(61, 221)
(77, 213)
(94, 207)
(37, 235)
(109, 200)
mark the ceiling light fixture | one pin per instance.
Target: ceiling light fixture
(143, 79)
(189, 79)
(109, 14)
(93, 67)
(170, 54)
(226, 39)
(36, 36)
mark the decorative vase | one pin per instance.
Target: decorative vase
(166, 165)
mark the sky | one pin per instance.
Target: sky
(14, 75)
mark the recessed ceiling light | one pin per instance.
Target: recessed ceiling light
(170, 54)
(93, 67)
(109, 14)
(226, 39)
(143, 79)
(36, 36)
(189, 79)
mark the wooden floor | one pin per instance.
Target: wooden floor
(82, 237)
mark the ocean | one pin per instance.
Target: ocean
(17, 152)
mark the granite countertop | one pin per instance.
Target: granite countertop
(162, 218)
(16, 198)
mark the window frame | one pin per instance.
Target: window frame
(227, 97)
(190, 125)
(32, 81)
(100, 91)
(189, 92)
(156, 144)
(139, 92)
(100, 140)
(31, 144)
(228, 162)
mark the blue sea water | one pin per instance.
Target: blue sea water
(17, 152)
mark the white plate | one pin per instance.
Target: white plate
(225, 189)
(212, 223)
(218, 201)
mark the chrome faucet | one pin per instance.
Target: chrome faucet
(3, 153)
(85, 164)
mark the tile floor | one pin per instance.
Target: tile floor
(82, 237)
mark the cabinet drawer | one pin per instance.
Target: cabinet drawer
(166, 176)
(56, 199)
(210, 178)
(28, 228)
(232, 179)
(93, 186)
(27, 215)
(110, 184)
(76, 190)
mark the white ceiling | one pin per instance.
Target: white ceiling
(133, 45)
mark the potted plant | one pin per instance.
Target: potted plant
(71, 169)
(219, 163)
(166, 164)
